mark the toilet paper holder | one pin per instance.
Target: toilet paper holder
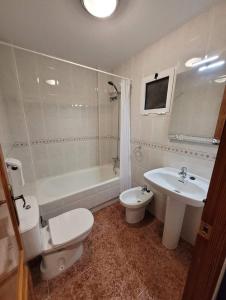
(14, 168)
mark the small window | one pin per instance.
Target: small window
(157, 92)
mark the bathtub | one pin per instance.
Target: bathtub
(88, 188)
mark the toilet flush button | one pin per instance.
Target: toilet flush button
(61, 268)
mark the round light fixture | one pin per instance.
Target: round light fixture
(100, 8)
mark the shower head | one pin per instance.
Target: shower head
(112, 84)
(114, 95)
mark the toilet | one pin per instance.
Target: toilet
(135, 201)
(60, 242)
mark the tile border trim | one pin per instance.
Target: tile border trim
(173, 149)
(19, 144)
(139, 143)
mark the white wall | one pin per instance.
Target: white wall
(61, 119)
(151, 148)
(5, 138)
(12, 120)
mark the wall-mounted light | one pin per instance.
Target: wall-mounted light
(211, 66)
(100, 8)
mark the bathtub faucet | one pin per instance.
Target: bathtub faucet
(115, 164)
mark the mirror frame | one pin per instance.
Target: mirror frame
(221, 118)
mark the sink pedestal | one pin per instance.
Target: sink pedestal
(179, 193)
(173, 222)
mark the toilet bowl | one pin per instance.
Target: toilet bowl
(135, 201)
(60, 242)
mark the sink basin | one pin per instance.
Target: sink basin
(190, 191)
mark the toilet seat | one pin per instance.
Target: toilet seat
(70, 226)
(60, 243)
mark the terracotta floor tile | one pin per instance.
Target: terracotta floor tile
(121, 261)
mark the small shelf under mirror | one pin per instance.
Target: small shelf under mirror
(193, 139)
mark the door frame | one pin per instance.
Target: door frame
(21, 271)
(210, 247)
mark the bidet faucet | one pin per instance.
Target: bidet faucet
(145, 189)
(183, 173)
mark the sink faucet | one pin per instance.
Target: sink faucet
(183, 174)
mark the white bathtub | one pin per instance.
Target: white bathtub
(87, 188)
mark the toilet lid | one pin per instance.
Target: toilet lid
(70, 225)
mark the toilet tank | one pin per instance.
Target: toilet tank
(29, 227)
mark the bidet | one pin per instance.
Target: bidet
(135, 201)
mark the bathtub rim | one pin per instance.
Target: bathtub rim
(52, 199)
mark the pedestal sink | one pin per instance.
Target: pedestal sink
(191, 190)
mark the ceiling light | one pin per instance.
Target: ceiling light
(214, 65)
(100, 8)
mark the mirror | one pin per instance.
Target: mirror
(199, 105)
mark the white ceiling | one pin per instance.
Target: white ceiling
(63, 28)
